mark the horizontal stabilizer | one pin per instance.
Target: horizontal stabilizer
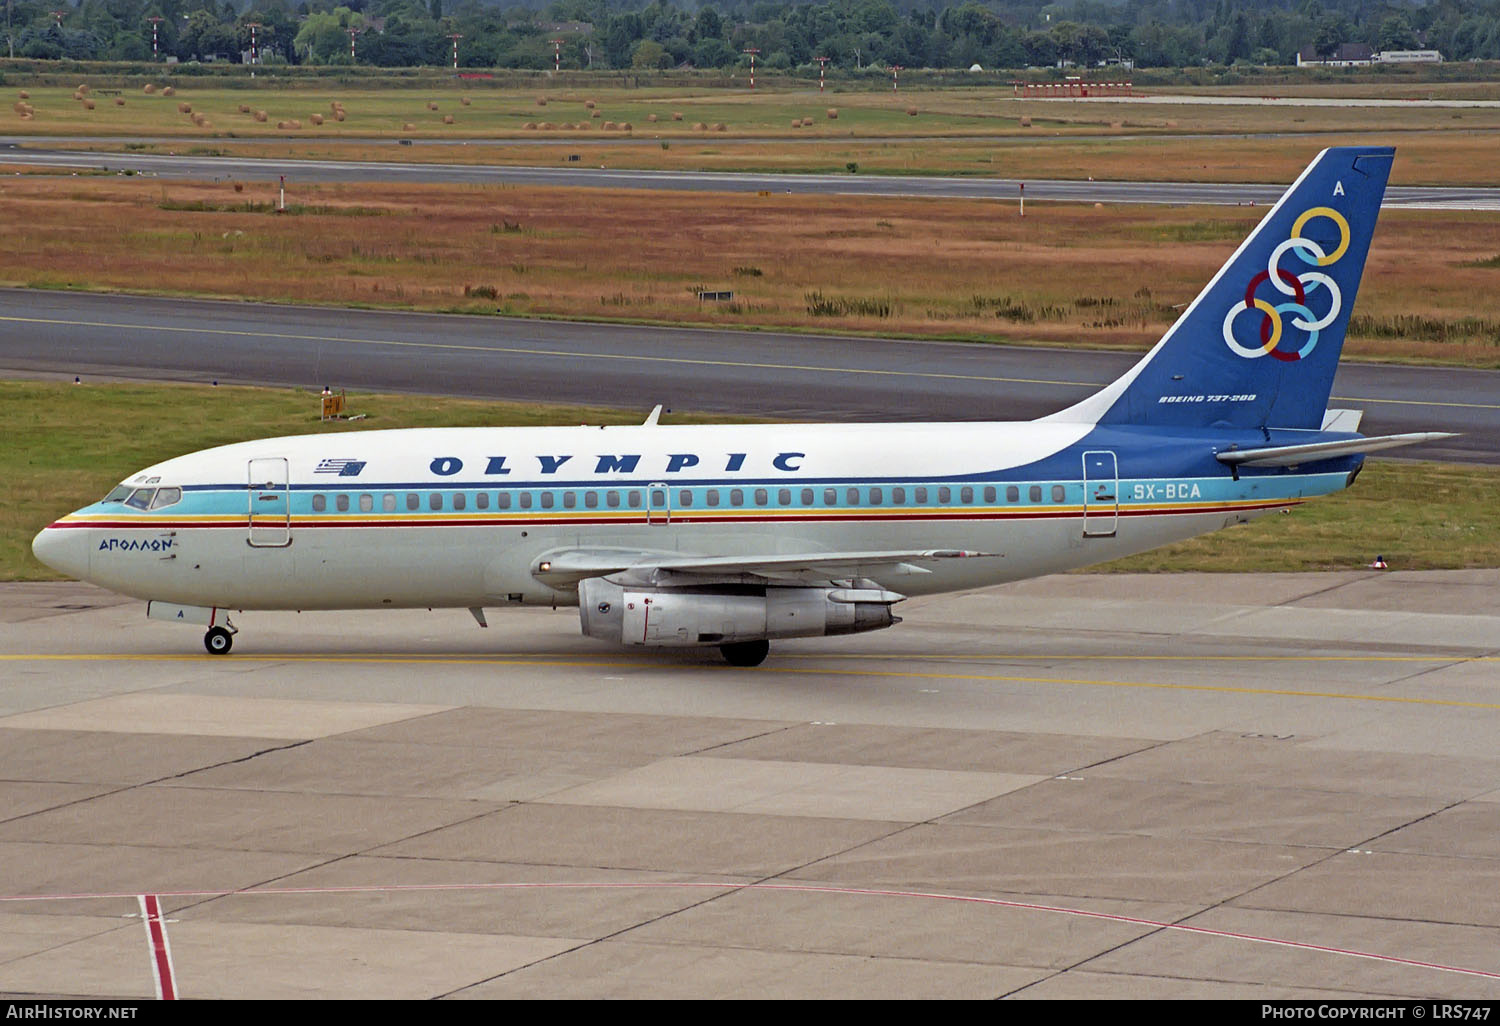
(1295, 455)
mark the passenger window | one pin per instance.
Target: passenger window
(1012, 493)
(852, 496)
(807, 496)
(830, 496)
(435, 500)
(460, 500)
(165, 497)
(713, 496)
(1034, 493)
(342, 502)
(1059, 493)
(366, 503)
(684, 498)
(413, 501)
(922, 496)
(989, 493)
(877, 496)
(898, 496)
(388, 502)
(502, 500)
(320, 503)
(784, 496)
(591, 500)
(482, 500)
(762, 496)
(634, 499)
(736, 496)
(945, 495)
(547, 500)
(612, 499)
(141, 498)
(658, 498)
(966, 495)
(570, 500)
(525, 500)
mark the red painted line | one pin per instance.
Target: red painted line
(161, 952)
(162, 955)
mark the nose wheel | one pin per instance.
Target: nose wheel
(218, 641)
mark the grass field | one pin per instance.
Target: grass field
(67, 445)
(1065, 274)
(970, 131)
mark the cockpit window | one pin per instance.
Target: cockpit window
(141, 498)
(166, 497)
(117, 494)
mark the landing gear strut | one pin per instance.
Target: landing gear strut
(218, 641)
(745, 653)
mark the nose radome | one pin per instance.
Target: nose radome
(64, 550)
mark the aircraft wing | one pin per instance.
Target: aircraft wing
(566, 567)
(1295, 455)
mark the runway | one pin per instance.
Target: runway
(578, 176)
(761, 374)
(1267, 787)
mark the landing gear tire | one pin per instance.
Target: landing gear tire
(745, 653)
(218, 641)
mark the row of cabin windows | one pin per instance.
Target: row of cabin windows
(686, 499)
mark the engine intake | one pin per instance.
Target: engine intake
(726, 614)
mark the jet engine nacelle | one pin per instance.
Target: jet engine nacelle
(727, 614)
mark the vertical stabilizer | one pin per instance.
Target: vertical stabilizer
(1259, 346)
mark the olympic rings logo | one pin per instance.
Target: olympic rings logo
(1297, 287)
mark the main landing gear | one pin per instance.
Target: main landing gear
(745, 653)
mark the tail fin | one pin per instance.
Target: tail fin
(1259, 346)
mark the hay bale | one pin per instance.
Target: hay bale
(261, 116)
(807, 122)
(205, 123)
(282, 126)
(338, 115)
(585, 126)
(447, 119)
(677, 115)
(198, 118)
(610, 126)
(168, 91)
(1025, 121)
(77, 96)
(796, 122)
(407, 126)
(431, 105)
(335, 106)
(699, 126)
(184, 108)
(20, 107)
(25, 95)
(833, 113)
(119, 101)
(530, 126)
(547, 126)
(465, 100)
(541, 101)
(316, 119)
(651, 118)
(719, 126)
(911, 111)
(83, 89)
(596, 114)
(244, 108)
(588, 104)
(149, 89)
(26, 117)
(626, 126)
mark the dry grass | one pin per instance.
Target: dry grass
(938, 268)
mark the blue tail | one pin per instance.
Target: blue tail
(1259, 346)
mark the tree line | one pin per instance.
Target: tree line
(850, 34)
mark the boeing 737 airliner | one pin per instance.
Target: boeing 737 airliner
(735, 536)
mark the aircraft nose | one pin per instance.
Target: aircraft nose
(65, 551)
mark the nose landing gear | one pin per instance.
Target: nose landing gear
(218, 641)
